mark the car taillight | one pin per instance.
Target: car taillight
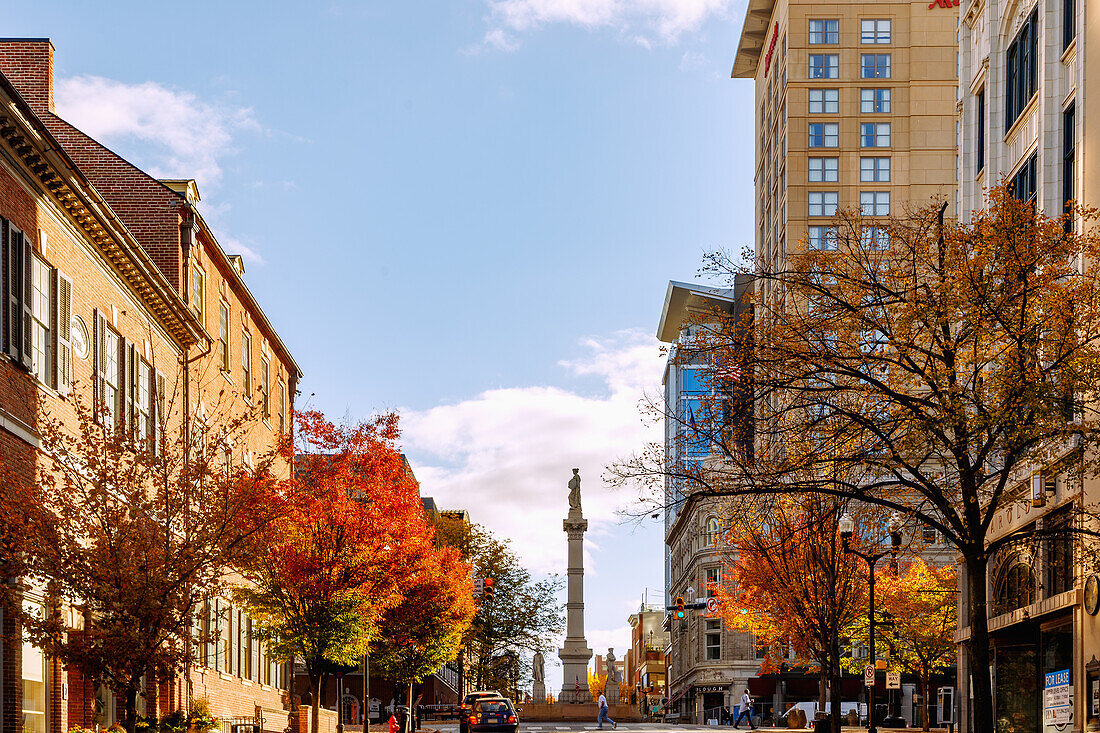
(511, 718)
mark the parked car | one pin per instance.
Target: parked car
(492, 715)
(468, 705)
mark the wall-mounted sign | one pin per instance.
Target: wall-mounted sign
(710, 688)
(1057, 699)
(943, 4)
(771, 48)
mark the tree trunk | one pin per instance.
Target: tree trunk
(981, 712)
(834, 686)
(409, 726)
(317, 682)
(130, 722)
(924, 702)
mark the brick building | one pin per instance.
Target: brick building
(107, 257)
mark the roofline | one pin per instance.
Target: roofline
(250, 299)
(677, 295)
(114, 227)
(753, 38)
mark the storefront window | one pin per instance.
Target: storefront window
(1015, 686)
(34, 682)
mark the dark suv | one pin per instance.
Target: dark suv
(468, 706)
(492, 715)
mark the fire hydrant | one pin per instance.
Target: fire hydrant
(395, 727)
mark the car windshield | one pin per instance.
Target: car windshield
(493, 706)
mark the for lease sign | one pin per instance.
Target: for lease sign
(1057, 699)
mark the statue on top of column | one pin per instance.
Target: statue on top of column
(575, 490)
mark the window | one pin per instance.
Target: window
(981, 130)
(824, 66)
(824, 31)
(1020, 70)
(143, 401)
(1069, 152)
(760, 648)
(37, 319)
(265, 388)
(874, 203)
(226, 460)
(876, 170)
(823, 203)
(35, 679)
(1015, 586)
(223, 336)
(874, 237)
(824, 134)
(1069, 22)
(874, 31)
(1059, 553)
(712, 532)
(874, 101)
(1023, 183)
(819, 237)
(714, 640)
(246, 365)
(280, 404)
(108, 373)
(928, 535)
(824, 101)
(824, 170)
(714, 577)
(874, 135)
(198, 291)
(874, 66)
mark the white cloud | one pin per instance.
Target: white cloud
(643, 21)
(507, 454)
(176, 134)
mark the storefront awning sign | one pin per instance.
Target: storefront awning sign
(1057, 699)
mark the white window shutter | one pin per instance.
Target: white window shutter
(63, 349)
(100, 356)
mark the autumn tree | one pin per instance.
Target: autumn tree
(348, 543)
(425, 630)
(921, 609)
(944, 360)
(131, 528)
(524, 614)
(792, 585)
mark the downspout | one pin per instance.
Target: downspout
(187, 241)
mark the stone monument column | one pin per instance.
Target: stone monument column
(575, 653)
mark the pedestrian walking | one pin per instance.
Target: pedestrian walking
(745, 711)
(603, 714)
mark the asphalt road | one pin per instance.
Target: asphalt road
(624, 727)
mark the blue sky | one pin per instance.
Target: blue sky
(466, 210)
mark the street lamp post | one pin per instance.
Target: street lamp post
(846, 525)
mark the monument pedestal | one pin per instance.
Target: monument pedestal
(575, 653)
(538, 692)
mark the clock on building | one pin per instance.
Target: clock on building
(1092, 595)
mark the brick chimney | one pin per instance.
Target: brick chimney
(28, 65)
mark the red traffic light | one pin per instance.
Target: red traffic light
(488, 582)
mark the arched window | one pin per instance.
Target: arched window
(713, 531)
(1015, 586)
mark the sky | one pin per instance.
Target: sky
(464, 210)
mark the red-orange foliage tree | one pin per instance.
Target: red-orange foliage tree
(793, 586)
(131, 532)
(425, 630)
(352, 536)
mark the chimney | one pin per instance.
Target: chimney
(28, 65)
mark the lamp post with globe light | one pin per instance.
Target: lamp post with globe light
(847, 526)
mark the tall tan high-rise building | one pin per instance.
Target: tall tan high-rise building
(855, 109)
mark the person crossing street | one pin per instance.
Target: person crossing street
(603, 714)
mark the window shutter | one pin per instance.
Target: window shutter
(14, 248)
(131, 387)
(28, 294)
(122, 402)
(5, 229)
(159, 411)
(62, 331)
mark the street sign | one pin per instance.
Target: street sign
(869, 676)
(712, 605)
(893, 680)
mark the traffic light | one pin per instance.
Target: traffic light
(489, 589)
(680, 613)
